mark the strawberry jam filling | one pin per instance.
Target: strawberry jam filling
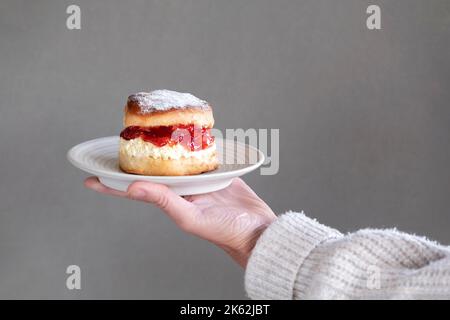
(192, 137)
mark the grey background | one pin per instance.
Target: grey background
(364, 122)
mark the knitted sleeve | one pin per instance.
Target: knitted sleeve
(298, 258)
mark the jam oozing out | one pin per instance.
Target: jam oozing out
(192, 137)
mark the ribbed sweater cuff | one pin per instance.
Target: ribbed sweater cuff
(279, 253)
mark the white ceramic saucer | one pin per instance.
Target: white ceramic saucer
(99, 157)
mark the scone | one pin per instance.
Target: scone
(167, 133)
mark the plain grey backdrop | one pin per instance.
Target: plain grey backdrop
(364, 121)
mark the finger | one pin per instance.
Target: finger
(239, 183)
(216, 196)
(183, 212)
(94, 184)
(241, 187)
(236, 185)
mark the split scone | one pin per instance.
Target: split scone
(167, 133)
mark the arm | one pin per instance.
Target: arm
(295, 257)
(298, 258)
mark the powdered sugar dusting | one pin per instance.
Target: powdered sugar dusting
(162, 100)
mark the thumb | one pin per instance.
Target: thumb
(183, 212)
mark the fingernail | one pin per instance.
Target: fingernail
(137, 194)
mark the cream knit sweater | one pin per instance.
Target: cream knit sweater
(298, 258)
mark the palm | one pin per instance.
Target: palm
(231, 217)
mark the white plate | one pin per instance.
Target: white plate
(99, 157)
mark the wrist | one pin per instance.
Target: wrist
(242, 251)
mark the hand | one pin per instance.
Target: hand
(232, 218)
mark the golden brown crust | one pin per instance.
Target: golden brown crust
(189, 115)
(161, 167)
(166, 108)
